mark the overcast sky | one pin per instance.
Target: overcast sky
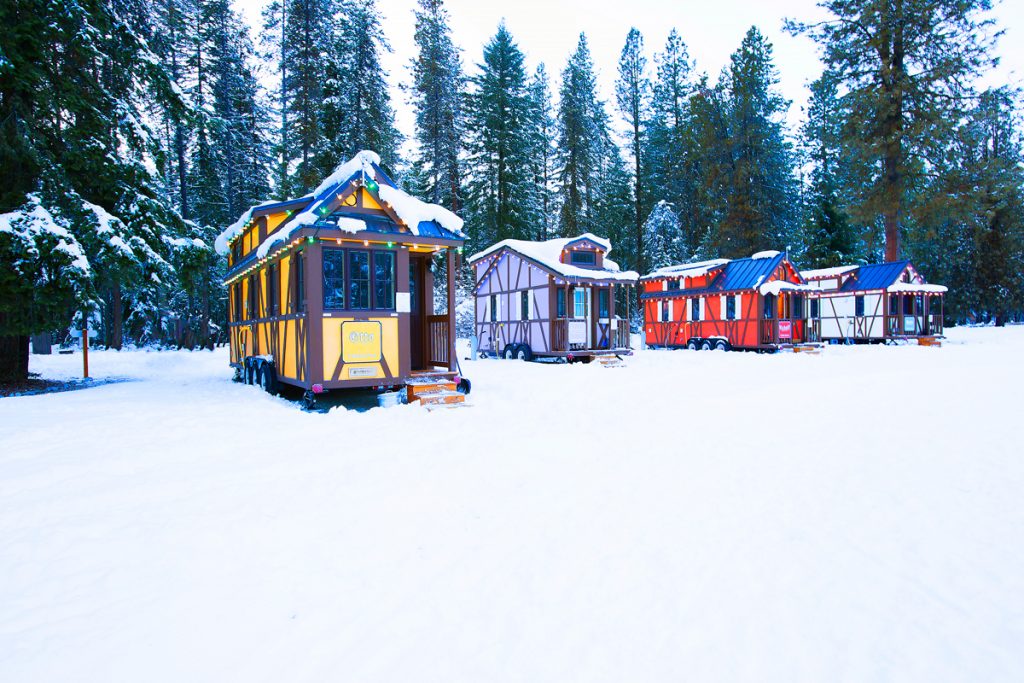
(547, 31)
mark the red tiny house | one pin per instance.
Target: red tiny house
(755, 303)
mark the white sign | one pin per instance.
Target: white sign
(402, 302)
(77, 334)
(362, 372)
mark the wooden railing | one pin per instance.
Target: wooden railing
(560, 335)
(619, 331)
(437, 340)
(934, 324)
(768, 331)
(813, 330)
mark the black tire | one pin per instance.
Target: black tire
(239, 375)
(268, 378)
(464, 386)
(250, 371)
(693, 345)
(523, 352)
(309, 401)
(722, 345)
(509, 352)
(705, 345)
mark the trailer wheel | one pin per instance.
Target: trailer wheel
(705, 345)
(250, 371)
(268, 378)
(308, 400)
(692, 345)
(509, 352)
(524, 353)
(239, 375)
(722, 345)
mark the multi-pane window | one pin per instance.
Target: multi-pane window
(299, 268)
(334, 278)
(524, 305)
(560, 302)
(602, 303)
(583, 258)
(858, 305)
(383, 280)
(358, 280)
(579, 303)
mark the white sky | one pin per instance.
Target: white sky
(547, 31)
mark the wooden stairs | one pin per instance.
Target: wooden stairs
(610, 361)
(930, 341)
(434, 392)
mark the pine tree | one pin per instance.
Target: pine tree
(632, 93)
(542, 214)
(499, 139)
(436, 96)
(907, 68)
(664, 237)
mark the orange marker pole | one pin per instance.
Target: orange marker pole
(85, 347)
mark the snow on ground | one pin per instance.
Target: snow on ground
(693, 516)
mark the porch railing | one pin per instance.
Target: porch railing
(437, 340)
(769, 332)
(560, 335)
(619, 330)
(813, 330)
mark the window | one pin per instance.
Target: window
(583, 258)
(299, 268)
(894, 304)
(858, 305)
(815, 309)
(694, 309)
(358, 280)
(579, 303)
(730, 308)
(908, 304)
(602, 303)
(383, 280)
(271, 290)
(798, 307)
(334, 278)
(236, 291)
(494, 308)
(664, 312)
(524, 305)
(250, 300)
(673, 284)
(769, 306)
(560, 301)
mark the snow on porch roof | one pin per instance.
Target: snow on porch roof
(826, 273)
(548, 253)
(410, 210)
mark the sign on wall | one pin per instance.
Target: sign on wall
(785, 329)
(361, 341)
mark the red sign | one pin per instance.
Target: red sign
(785, 329)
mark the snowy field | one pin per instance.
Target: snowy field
(854, 516)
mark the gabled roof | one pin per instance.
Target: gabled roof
(874, 276)
(419, 217)
(826, 273)
(735, 275)
(548, 254)
(695, 269)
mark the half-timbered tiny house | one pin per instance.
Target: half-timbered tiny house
(335, 289)
(754, 303)
(873, 303)
(553, 298)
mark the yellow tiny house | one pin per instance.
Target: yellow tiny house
(335, 289)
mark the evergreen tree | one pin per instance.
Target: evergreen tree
(542, 214)
(632, 93)
(829, 238)
(499, 144)
(664, 237)
(907, 68)
(437, 100)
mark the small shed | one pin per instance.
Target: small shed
(873, 303)
(551, 298)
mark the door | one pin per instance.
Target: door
(417, 307)
(580, 333)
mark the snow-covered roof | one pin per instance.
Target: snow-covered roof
(770, 253)
(826, 273)
(696, 269)
(916, 288)
(409, 209)
(548, 253)
(776, 286)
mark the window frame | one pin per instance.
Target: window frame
(589, 254)
(695, 309)
(494, 308)
(603, 304)
(858, 306)
(665, 317)
(561, 302)
(730, 307)
(524, 304)
(344, 277)
(371, 280)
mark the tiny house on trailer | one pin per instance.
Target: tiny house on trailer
(553, 298)
(753, 303)
(873, 303)
(335, 289)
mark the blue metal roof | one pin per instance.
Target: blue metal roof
(874, 276)
(744, 273)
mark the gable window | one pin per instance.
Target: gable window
(524, 304)
(602, 303)
(383, 280)
(673, 284)
(769, 306)
(334, 278)
(664, 312)
(858, 305)
(694, 309)
(583, 258)
(494, 308)
(560, 302)
(730, 308)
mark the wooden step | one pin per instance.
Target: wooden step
(610, 361)
(929, 341)
(440, 397)
(415, 387)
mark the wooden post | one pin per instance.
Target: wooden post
(451, 308)
(85, 346)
